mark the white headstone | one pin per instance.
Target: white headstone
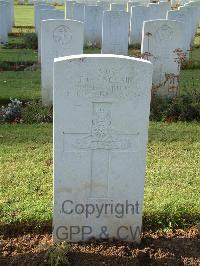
(69, 9)
(101, 117)
(59, 38)
(133, 3)
(155, 11)
(3, 23)
(115, 32)
(192, 12)
(182, 16)
(196, 4)
(164, 8)
(79, 12)
(93, 25)
(138, 16)
(11, 15)
(104, 4)
(162, 40)
(37, 8)
(46, 14)
(118, 7)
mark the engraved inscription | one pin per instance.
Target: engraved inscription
(101, 141)
(102, 134)
(62, 35)
(107, 83)
(164, 34)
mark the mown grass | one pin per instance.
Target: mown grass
(26, 85)
(23, 85)
(190, 81)
(24, 15)
(18, 55)
(172, 179)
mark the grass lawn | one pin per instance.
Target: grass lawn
(18, 55)
(25, 85)
(190, 81)
(19, 84)
(24, 15)
(173, 172)
(172, 181)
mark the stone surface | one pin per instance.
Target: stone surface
(105, 5)
(138, 16)
(133, 3)
(115, 33)
(160, 41)
(118, 7)
(59, 38)
(192, 12)
(3, 22)
(164, 8)
(37, 8)
(101, 116)
(156, 11)
(195, 4)
(46, 14)
(79, 11)
(182, 16)
(69, 9)
(93, 25)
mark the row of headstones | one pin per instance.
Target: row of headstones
(88, 2)
(7, 19)
(94, 17)
(32, 2)
(164, 42)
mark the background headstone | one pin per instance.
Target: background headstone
(138, 16)
(46, 14)
(79, 11)
(115, 32)
(69, 9)
(118, 7)
(93, 25)
(161, 43)
(59, 38)
(3, 22)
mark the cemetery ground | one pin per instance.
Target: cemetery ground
(172, 204)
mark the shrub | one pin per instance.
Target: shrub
(11, 112)
(181, 108)
(31, 40)
(34, 112)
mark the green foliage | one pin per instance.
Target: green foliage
(34, 112)
(182, 108)
(57, 255)
(11, 112)
(31, 40)
(23, 85)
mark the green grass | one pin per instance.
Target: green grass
(21, 85)
(18, 55)
(190, 81)
(24, 15)
(172, 180)
(25, 85)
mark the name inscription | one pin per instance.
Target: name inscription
(105, 84)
